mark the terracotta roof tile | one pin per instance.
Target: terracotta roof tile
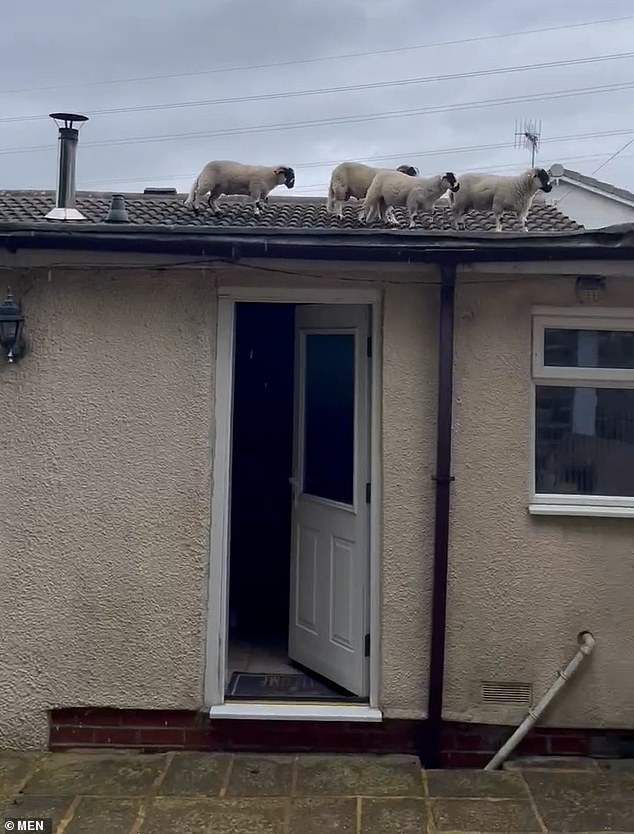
(280, 213)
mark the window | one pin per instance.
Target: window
(583, 379)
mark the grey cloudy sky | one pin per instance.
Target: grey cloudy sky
(69, 54)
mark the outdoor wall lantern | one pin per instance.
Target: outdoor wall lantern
(11, 323)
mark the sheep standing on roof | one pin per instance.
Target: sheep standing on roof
(492, 192)
(230, 178)
(391, 188)
(352, 179)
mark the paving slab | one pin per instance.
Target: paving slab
(614, 815)
(14, 768)
(359, 776)
(167, 815)
(70, 774)
(394, 816)
(317, 816)
(193, 774)
(260, 776)
(581, 786)
(551, 763)
(36, 807)
(476, 816)
(462, 784)
(104, 816)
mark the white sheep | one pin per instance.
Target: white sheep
(390, 188)
(495, 193)
(220, 177)
(352, 179)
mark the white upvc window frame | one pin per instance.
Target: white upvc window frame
(567, 318)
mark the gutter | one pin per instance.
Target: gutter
(322, 244)
(443, 479)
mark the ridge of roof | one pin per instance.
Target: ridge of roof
(600, 185)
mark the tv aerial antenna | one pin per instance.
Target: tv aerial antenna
(528, 134)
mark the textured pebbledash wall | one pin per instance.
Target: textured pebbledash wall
(521, 586)
(107, 445)
(105, 497)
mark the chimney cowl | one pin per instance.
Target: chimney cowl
(117, 213)
(65, 208)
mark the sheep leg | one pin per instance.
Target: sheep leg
(390, 217)
(211, 200)
(498, 222)
(522, 218)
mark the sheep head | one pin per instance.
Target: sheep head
(408, 169)
(286, 176)
(450, 179)
(544, 179)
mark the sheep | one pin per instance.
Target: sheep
(492, 192)
(352, 179)
(390, 188)
(221, 177)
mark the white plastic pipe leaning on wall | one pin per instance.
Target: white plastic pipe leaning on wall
(586, 645)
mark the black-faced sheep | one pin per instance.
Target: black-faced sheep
(390, 188)
(230, 178)
(495, 193)
(352, 179)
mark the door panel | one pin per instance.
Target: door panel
(330, 539)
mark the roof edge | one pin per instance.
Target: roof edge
(321, 244)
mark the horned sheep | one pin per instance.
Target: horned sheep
(222, 177)
(495, 193)
(352, 179)
(390, 188)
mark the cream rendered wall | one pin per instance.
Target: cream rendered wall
(105, 496)
(409, 455)
(105, 493)
(522, 587)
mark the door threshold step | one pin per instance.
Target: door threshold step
(296, 711)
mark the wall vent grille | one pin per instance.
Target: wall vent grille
(504, 692)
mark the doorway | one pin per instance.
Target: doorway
(298, 601)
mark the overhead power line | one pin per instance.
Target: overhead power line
(395, 114)
(401, 155)
(504, 167)
(403, 82)
(322, 59)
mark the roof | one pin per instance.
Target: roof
(282, 212)
(297, 228)
(590, 182)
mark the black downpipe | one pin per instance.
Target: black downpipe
(443, 479)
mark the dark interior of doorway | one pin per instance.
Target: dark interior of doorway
(261, 499)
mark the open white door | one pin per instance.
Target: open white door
(329, 605)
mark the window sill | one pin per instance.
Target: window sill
(591, 511)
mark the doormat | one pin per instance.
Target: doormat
(289, 687)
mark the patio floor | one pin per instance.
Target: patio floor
(215, 793)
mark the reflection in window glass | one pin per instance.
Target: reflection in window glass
(584, 440)
(588, 348)
(329, 416)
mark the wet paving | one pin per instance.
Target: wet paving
(219, 793)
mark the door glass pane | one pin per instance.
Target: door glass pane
(329, 416)
(588, 348)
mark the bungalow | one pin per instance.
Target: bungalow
(291, 482)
